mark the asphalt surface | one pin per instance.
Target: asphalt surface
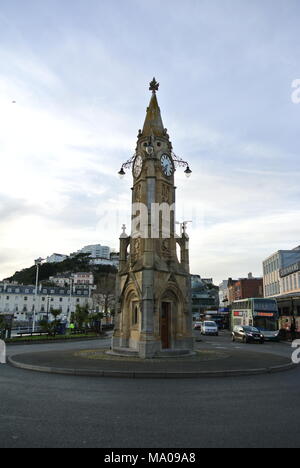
(208, 362)
(47, 410)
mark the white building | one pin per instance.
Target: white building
(21, 301)
(290, 279)
(223, 293)
(65, 279)
(104, 261)
(56, 258)
(273, 265)
(86, 279)
(96, 251)
(61, 280)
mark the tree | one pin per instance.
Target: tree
(94, 321)
(56, 322)
(2, 327)
(104, 295)
(51, 327)
(80, 316)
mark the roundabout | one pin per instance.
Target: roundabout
(204, 363)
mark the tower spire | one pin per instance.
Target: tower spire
(153, 124)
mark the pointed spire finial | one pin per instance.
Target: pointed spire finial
(154, 85)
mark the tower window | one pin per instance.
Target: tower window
(135, 315)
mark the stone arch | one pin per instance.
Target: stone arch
(168, 307)
(130, 301)
(178, 318)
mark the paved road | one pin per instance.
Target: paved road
(44, 410)
(224, 342)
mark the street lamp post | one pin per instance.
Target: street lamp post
(37, 262)
(48, 305)
(71, 292)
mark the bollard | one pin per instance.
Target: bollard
(2, 352)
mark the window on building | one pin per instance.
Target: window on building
(135, 314)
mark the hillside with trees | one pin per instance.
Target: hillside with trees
(76, 264)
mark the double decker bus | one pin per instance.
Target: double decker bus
(259, 313)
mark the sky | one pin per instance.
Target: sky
(79, 74)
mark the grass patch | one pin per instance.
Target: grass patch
(200, 356)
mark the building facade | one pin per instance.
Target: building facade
(82, 278)
(273, 265)
(290, 279)
(112, 261)
(223, 293)
(76, 279)
(56, 258)
(96, 251)
(205, 297)
(61, 280)
(22, 301)
(244, 288)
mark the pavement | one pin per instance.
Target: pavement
(216, 357)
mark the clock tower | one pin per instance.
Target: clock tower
(153, 314)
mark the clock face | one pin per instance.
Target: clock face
(167, 165)
(138, 165)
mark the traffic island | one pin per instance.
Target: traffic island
(205, 363)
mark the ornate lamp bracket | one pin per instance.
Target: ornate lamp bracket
(126, 165)
(179, 162)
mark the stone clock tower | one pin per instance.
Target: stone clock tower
(153, 316)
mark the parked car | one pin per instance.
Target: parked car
(209, 328)
(271, 335)
(247, 335)
(197, 325)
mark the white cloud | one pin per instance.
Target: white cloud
(81, 94)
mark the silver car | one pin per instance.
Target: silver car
(210, 328)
